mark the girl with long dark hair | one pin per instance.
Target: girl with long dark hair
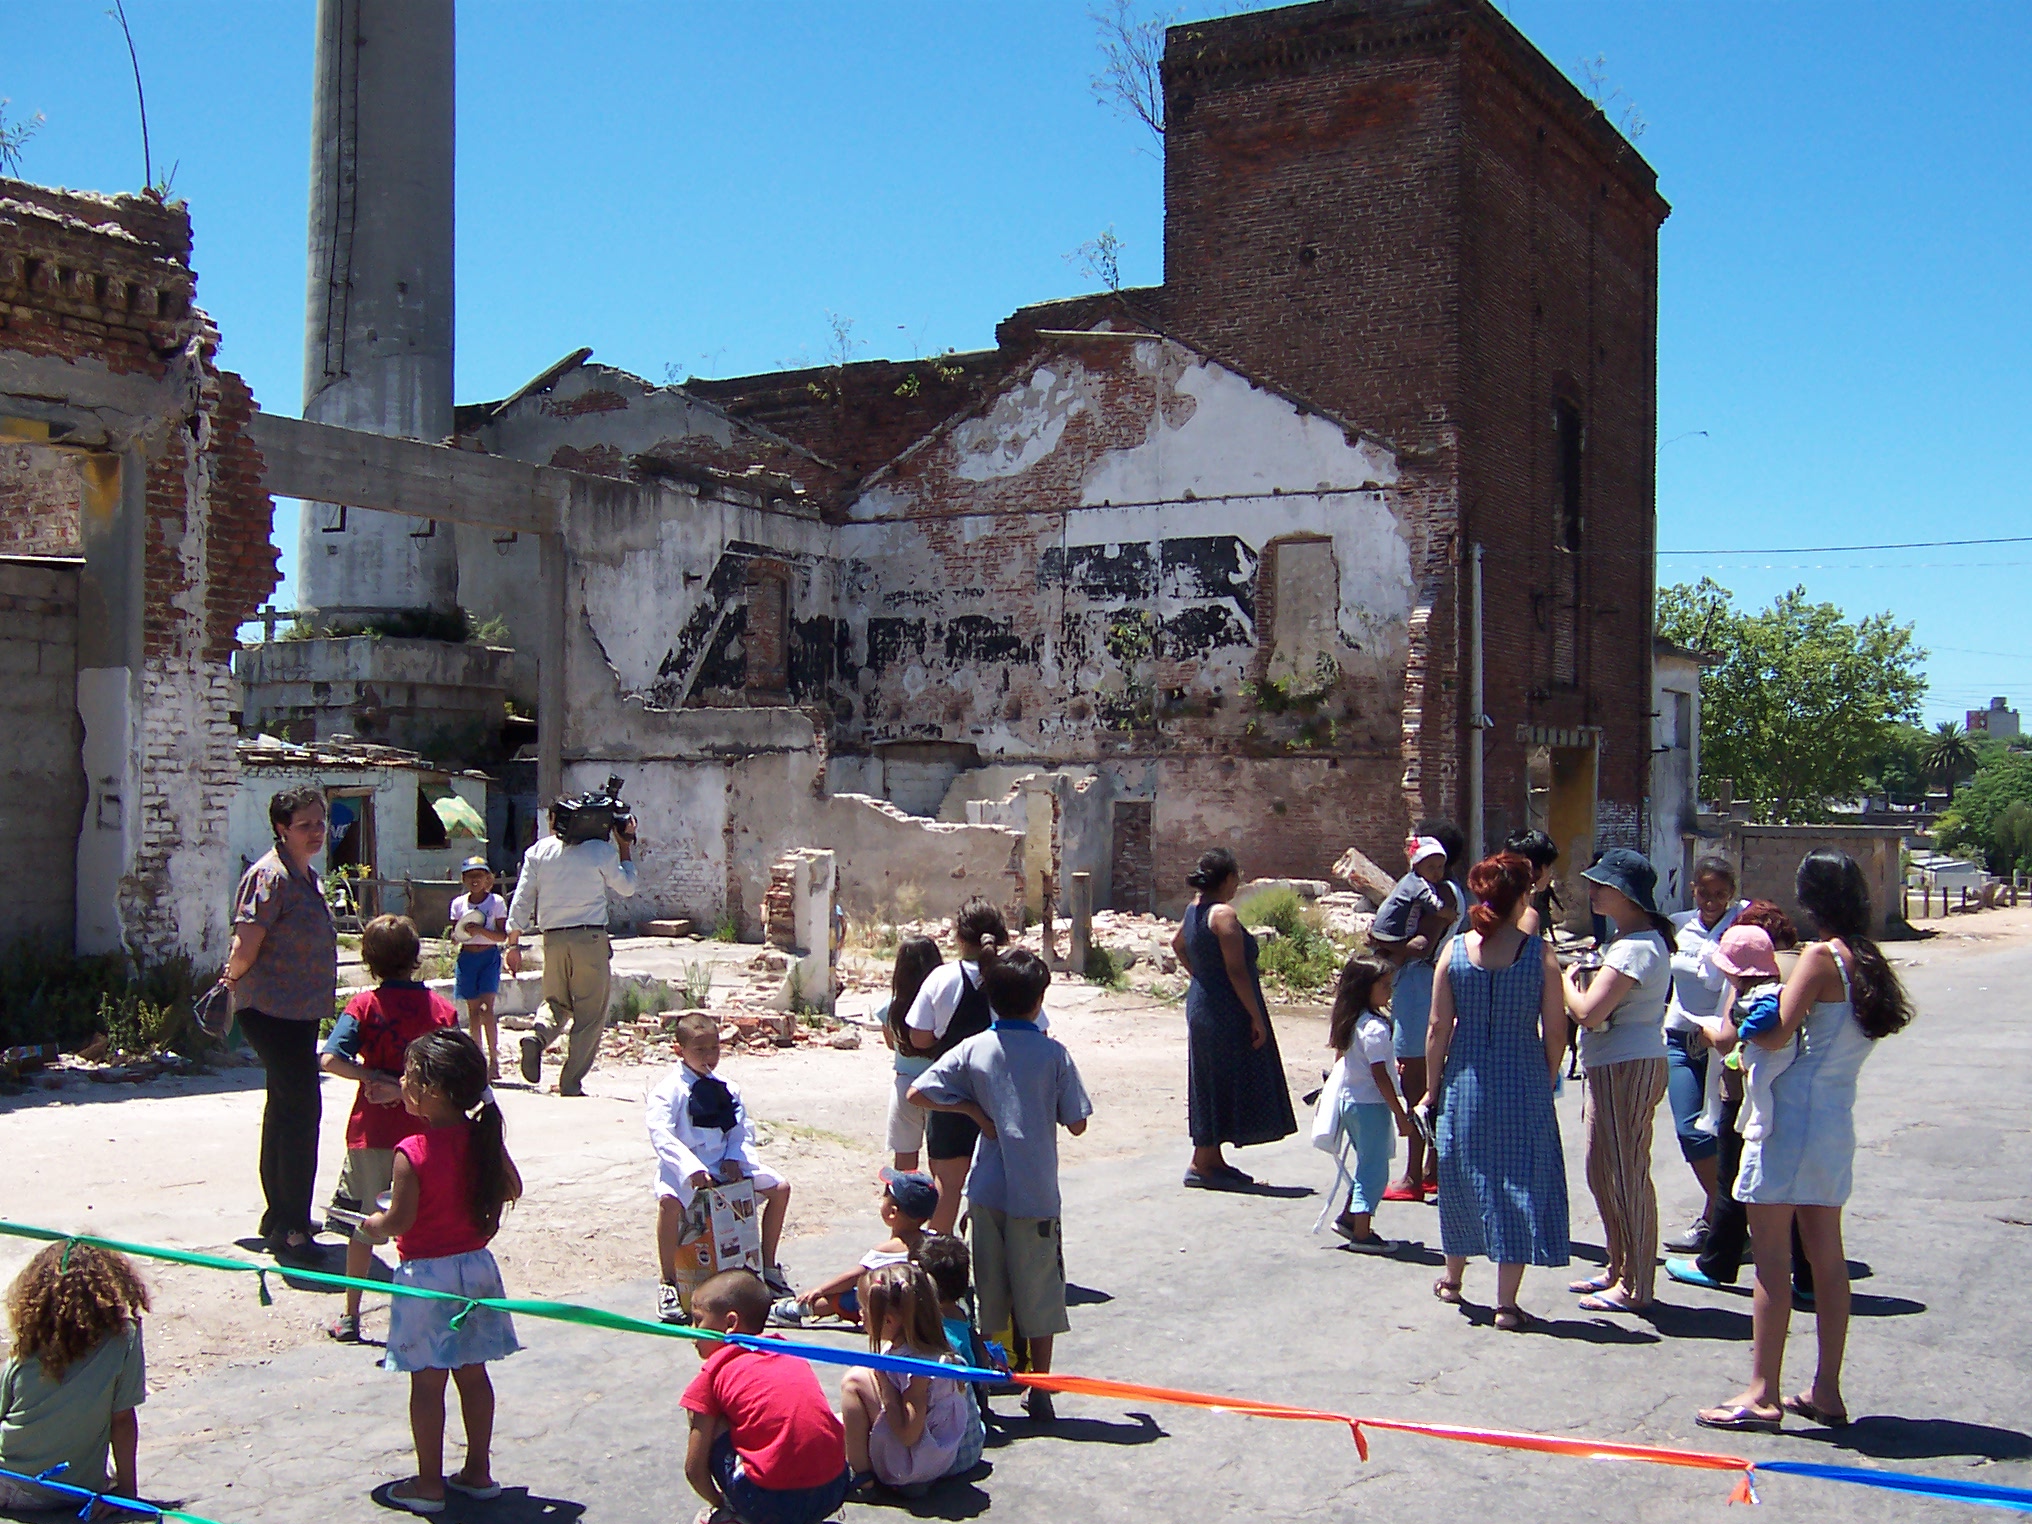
(1840, 1000)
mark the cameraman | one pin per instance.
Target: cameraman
(562, 892)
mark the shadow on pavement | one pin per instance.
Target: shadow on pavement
(952, 1497)
(1679, 1322)
(1593, 1331)
(1009, 1428)
(515, 1505)
(1883, 1437)
(1085, 1296)
(1883, 1306)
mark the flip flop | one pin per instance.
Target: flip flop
(1402, 1193)
(413, 1503)
(1738, 1419)
(1602, 1304)
(485, 1494)
(1591, 1285)
(1802, 1406)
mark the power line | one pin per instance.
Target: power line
(1815, 550)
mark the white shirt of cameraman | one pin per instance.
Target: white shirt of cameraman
(564, 886)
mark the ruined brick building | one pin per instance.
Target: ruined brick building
(134, 539)
(1166, 568)
(1204, 550)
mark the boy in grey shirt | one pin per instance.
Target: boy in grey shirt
(1018, 1086)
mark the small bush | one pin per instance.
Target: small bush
(47, 995)
(1104, 968)
(1282, 907)
(698, 986)
(1302, 958)
(727, 931)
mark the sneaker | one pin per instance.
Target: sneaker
(789, 1312)
(670, 1305)
(1692, 1241)
(1344, 1227)
(1037, 1404)
(1688, 1273)
(341, 1202)
(777, 1282)
(1375, 1243)
(532, 1058)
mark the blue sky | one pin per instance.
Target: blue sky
(1843, 309)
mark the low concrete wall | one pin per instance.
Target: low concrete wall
(1767, 860)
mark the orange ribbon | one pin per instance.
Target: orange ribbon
(1503, 1439)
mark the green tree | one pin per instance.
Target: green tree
(1898, 770)
(1992, 815)
(1797, 701)
(1950, 756)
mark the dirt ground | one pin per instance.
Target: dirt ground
(172, 1161)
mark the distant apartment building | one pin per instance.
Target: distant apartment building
(1997, 721)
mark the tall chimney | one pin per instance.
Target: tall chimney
(377, 352)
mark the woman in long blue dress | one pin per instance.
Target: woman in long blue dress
(1235, 1087)
(1498, 1036)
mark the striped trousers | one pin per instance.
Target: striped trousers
(1622, 1100)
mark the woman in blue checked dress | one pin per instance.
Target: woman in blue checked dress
(1498, 1036)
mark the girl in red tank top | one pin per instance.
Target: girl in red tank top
(451, 1181)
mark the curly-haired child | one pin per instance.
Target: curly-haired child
(75, 1375)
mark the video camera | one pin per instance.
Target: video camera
(592, 816)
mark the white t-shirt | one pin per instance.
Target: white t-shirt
(1635, 1029)
(1372, 1045)
(939, 996)
(1696, 983)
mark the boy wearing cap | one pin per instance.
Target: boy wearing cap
(477, 919)
(1412, 916)
(908, 1199)
(1410, 924)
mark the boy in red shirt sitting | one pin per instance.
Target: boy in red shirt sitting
(369, 1044)
(766, 1446)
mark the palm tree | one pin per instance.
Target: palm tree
(1949, 755)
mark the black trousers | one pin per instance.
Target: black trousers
(1728, 1234)
(289, 1123)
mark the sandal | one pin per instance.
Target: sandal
(344, 1329)
(1513, 1319)
(1447, 1291)
(1738, 1418)
(485, 1492)
(411, 1501)
(1802, 1406)
(1603, 1304)
(1591, 1285)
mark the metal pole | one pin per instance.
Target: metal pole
(1476, 717)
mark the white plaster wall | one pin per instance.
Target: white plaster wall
(681, 836)
(1674, 777)
(106, 841)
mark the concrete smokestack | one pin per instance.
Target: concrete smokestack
(378, 320)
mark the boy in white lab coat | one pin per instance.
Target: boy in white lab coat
(699, 1129)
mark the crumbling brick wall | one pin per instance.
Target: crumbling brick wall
(106, 282)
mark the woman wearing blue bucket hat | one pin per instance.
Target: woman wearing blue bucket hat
(1621, 1012)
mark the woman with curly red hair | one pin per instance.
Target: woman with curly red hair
(74, 1376)
(1497, 1036)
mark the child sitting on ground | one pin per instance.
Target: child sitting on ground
(451, 1181)
(765, 1444)
(74, 1375)
(946, 1261)
(907, 1202)
(370, 1044)
(479, 918)
(904, 1431)
(1018, 1087)
(1360, 1108)
(699, 1130)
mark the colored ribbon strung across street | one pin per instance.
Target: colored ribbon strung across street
(49, 1479)
(2017, 1498)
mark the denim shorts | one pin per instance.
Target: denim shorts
(767, 1505)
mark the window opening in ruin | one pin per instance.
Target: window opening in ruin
(1566, 632)
(767, 638)
(1132, 878)
(1682, 721)
(431, 832)
(1298, 598)
(349, 842)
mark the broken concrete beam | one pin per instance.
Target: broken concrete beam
(672, 928)
(1364, 875)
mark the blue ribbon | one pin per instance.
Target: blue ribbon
(2017, 1498)
(828, 1354)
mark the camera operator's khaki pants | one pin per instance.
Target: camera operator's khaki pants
(576, 982)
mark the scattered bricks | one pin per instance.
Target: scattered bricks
(847, 1037)
(671, 928)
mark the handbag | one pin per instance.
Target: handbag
(213, 1011)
